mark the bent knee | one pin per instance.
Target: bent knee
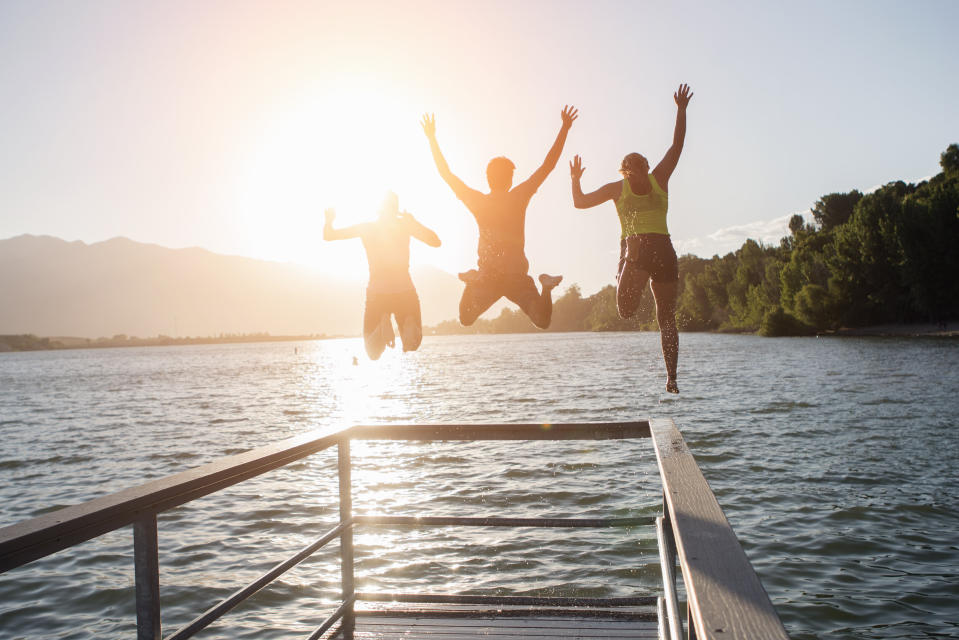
(542, 323)
(412, 337)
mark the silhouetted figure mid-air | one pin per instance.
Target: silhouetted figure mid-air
(646, 253)
(501, 217)
(390, 291)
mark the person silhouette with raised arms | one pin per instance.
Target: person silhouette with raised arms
(390, 292)
(646, 253)
(503, 269)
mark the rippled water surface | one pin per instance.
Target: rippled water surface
(835, 460)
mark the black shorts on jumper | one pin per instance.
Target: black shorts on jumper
(652, 253)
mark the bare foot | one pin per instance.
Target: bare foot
(548, 281)
(470, 276)
(671, 386)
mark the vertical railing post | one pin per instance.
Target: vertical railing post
(667, 560)
(690, 627)
(146, 571)
(346, 537)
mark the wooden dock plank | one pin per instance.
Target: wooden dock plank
(726, 598)
(457, 623)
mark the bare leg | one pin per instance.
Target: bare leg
(665, 294)
(411, 325)
(378, 338)
(537, 305)
(476, 299)
(629, 289)
(377, 327)
(411, 332)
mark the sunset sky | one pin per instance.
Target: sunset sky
(232, 125)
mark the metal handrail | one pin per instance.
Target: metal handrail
(214, 612)
(341, 611)
(667, 563)
(724, 596)
(741, 610)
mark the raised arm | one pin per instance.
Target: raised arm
(329, 233)
(459, 187)
(420, 231)
(552, 157)
(667, 165)
(582, 200)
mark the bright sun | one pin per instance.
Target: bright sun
(343, 146)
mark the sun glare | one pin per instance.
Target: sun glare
(343, 146)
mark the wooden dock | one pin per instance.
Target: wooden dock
(724, 597)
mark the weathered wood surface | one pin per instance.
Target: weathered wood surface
(726, 599)
(447, 623)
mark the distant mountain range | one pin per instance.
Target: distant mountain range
(51, 287)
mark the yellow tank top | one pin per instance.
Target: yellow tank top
(643, 214)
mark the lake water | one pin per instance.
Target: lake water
(835, 461)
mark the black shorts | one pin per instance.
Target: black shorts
(652, 253)
(403, 305)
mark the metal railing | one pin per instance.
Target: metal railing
(731, 612)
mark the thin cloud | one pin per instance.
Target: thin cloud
(879, 186)
(732, 238)
(764, 231)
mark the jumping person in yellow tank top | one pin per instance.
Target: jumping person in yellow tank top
(646, 253)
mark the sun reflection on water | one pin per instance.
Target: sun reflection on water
(363, 391)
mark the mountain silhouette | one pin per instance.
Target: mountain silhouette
(51, 287)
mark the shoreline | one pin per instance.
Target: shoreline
(27, 342)
(17, 343)
(921, 330)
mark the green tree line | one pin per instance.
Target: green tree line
(889, 256)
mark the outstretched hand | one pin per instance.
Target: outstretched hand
(429, 125)
(576, 168)
(569, 114)
(330, 215)
(682, 96)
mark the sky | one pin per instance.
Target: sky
(232, 125)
